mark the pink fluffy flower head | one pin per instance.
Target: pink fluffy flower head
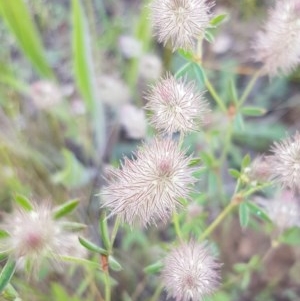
(283, 209)
(285, 162)
(190, 272)
(278, 45)
(149, 188)
(180, 22)
(176, 106)
(33, 236)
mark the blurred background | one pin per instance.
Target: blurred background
(72, 82)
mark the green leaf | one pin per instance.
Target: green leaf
(253, 111)
(104, 231)
(207, 158)
(153, 268)
(85, 74)
(233, 91)
(23, 202)
(7, 273)
(18, 19)
(91, 246)
(199, 72)
(246, 161)
(239, 122)
(257, 211)
(217, 20)
(189, 56)
(3, 234)
(195, 162)
(244, 215)
(234, 173)
(73, 226)
(114, 264)
(291, 236)
(208, 36)
(80, 261)
(65, 209)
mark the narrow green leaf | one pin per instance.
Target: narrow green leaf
(208, 36)
(234, 173)
(23, 202)
(243, 215)
(85, 74)
(217, 20)
(233, 91)
(239, 122)
(73, 226)
(246, 161)
(189, 56)
(104, 231)
(18, 19)
(153, 268)
(291, 236)
(257, 211)
(199, 72)
(253, 111)
(7, 273)
(195, 161)
(114, 264)
(3, 234)
(80, 261)
(65, 208)
(207, 159)
(91, 246)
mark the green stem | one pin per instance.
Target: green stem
(218, 220)
(249, 87)
(214, 94)
(115, 231)
(107, 286)
(177, 225)
(157, 293)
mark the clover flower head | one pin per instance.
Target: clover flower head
(149, 188)
(190, 272)
(283, 209)
(259, 171)
(277, 46)
(33, 236)
(176, 106)
(180, 22)
(285, 162)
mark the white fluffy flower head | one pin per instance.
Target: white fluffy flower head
(176, 105)
(149, 188)
(180, 22)
(33, 236)
(278, 45)
(285, 162)
(190, 272)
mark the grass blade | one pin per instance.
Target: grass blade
(18, 19)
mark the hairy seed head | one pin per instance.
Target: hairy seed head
(180, 22)
(190, 272)
(285, 162)
(277, 46)
(149, 188)
(176, 105)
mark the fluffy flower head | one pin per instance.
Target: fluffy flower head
(180, 22)
(278, 45)
(176, 105)
(33, 236)
(149, 188)
(285, 162)
(283, 209)
(190, 272)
